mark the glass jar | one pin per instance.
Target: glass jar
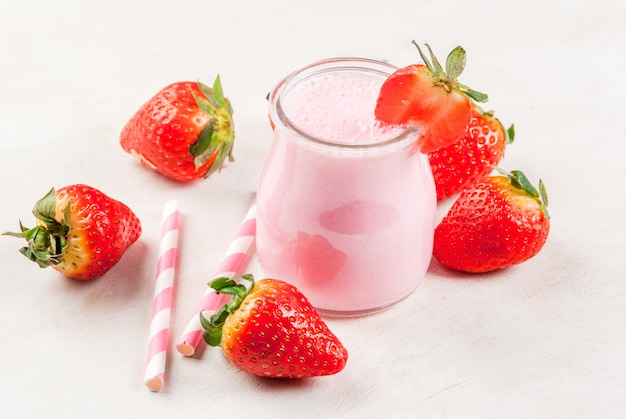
(345, 206)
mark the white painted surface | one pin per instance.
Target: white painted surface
(546, 339)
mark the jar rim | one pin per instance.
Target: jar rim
(279, 117)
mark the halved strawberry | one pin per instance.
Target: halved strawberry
(430, 97)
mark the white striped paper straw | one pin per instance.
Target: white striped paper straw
(162, 302)
(231, 264)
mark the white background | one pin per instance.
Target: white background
(546, 339)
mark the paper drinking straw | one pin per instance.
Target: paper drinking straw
(232, 262)
(162, 301)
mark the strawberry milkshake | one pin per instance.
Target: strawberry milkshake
(346, 212)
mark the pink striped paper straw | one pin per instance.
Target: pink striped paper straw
(162, 301)
(232, 262)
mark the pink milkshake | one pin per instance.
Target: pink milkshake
(345, 212)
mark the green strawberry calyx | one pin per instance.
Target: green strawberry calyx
(215, 141)
(455, 64)
(47, 240)
(238, 289)
(519, 180)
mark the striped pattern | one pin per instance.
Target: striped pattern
(162, 302)
(233, 262)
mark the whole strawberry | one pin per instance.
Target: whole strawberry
(471, 158)
(270, 329)
(80, 232)
(497, 222)
(185, 132)
(431, 97)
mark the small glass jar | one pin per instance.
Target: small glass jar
(345, 207)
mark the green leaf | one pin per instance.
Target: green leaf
(455, 63)
(212, 327)
(67, 215)
(205, 105)
(213, 99)
(510, 134)
(424, 57)
(23, 234)
(474, 94)
(520, 181)
(212, 333)
(221, 282)
(204, 142)
(544, 198)
(45, 208)
(218, 92)
(436, 65)
(234, 290)
(226, 285)
(543, 193)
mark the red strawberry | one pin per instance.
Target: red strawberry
(270, 329)
(185, 132)
(498, 222)
(430, 97)
(473, 157)
(80, 232)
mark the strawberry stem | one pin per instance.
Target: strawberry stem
(46, 241)
(519, 180)
(455, 64)
(224, 285)
(215, 141)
